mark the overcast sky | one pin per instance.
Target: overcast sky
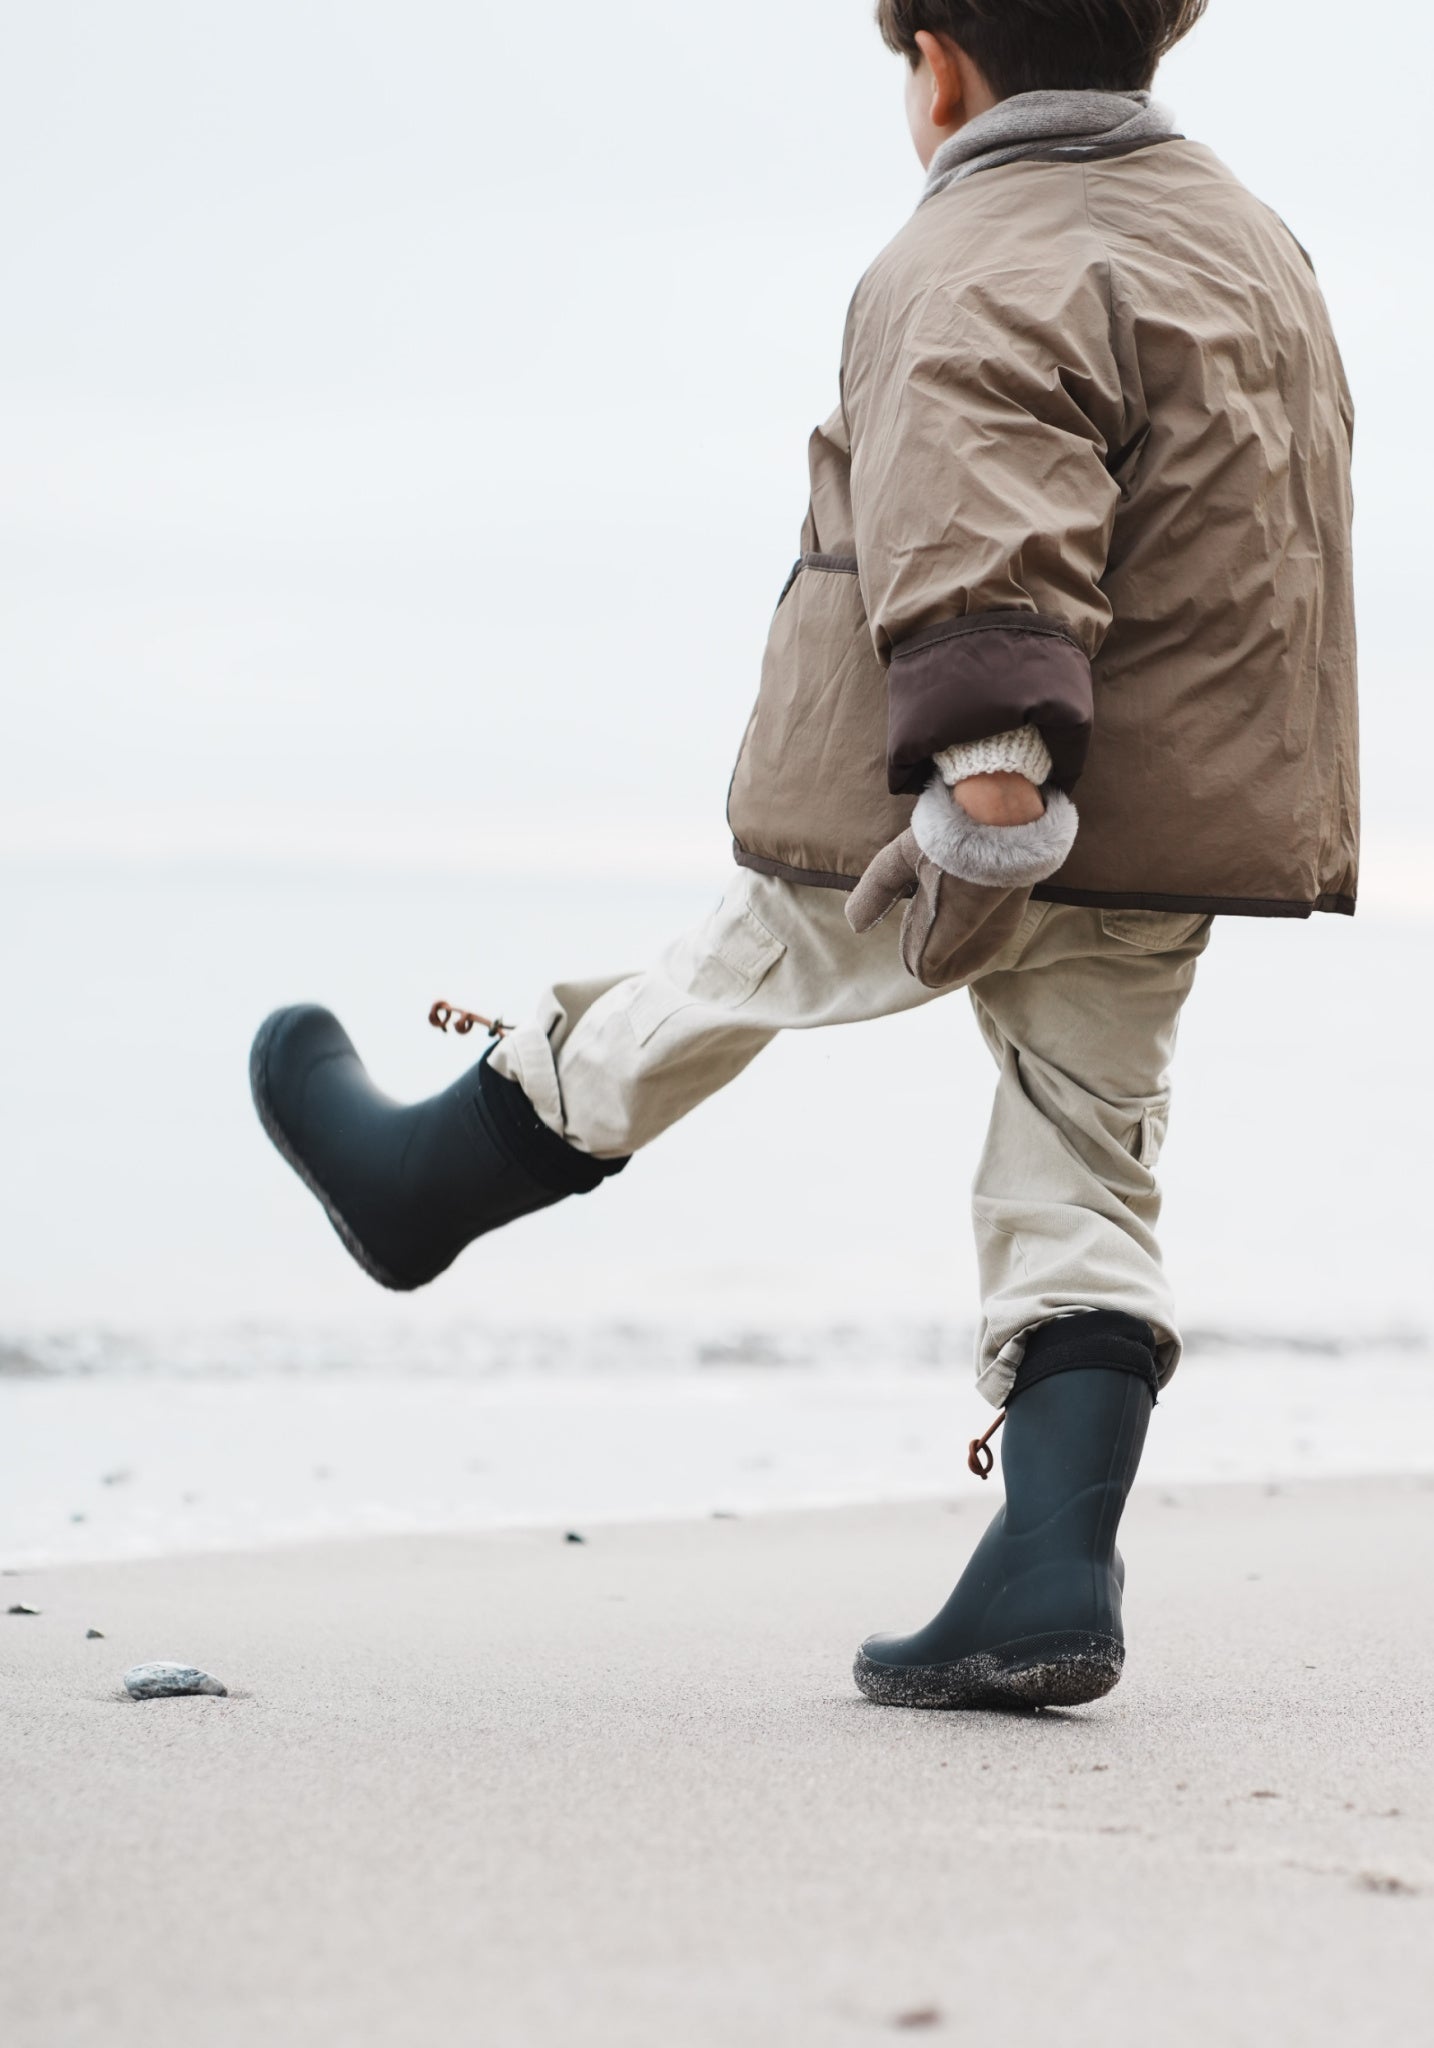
(403, 406)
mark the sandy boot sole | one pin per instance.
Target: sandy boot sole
(1066, 1670)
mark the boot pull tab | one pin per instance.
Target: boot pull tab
(980, 1458)
(443, 1014)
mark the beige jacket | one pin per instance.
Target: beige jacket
(1090, 472)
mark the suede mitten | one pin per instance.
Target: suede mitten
(950, 928)
(966, 886)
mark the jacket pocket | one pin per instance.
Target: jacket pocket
(808, 789)
(1153, 931)
(830, 565)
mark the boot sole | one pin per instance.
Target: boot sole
(1065, 1670)
(278, 1138)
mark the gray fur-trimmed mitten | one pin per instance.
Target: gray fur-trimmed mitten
(966, 886)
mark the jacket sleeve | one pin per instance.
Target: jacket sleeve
(981, 426)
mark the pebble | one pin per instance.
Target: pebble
(573, 1537)
(94, 1635)
(21, 1608)
(169, 1681)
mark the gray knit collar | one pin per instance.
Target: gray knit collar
(1071, 126)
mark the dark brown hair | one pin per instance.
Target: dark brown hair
(1027, 45)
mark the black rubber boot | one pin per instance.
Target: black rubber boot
(1035, 1620)
(406, 1187)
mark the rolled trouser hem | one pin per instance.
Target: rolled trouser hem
(997, 1368)
(526, 1057)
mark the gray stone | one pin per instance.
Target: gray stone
(169, 1681)
(21, 1608)
(94, 1635)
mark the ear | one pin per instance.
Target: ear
(948, 82)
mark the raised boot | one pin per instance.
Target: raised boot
(1035, 1619)
(406, 1187)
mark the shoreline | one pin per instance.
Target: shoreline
(120, 1466)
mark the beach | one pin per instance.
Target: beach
(514, 1789)
(396, 499)
(473, 1779)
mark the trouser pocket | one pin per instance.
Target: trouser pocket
(1154, 931)
(1150, 1131)
(722, 964)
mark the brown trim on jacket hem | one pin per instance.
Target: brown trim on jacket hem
(807, 878)
(1208, 906)
(1081, 899)
(829, 565)
(985, 673)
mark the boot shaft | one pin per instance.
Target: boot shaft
(1070, 1450)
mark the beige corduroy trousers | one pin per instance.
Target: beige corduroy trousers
(1080, 1010)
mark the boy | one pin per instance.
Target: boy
(1082, 514)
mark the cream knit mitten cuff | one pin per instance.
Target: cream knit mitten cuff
(1019, 752)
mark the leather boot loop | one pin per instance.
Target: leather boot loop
(443, 1014)
(980, 1458)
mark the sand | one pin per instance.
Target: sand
(503, 1789)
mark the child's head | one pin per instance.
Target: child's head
(982, 51)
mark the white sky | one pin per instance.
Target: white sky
(403, 419)
(403, 408)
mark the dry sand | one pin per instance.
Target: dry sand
(512, 1791)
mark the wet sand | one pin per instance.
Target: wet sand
(505, 1789)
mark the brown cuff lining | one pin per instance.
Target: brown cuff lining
(984, 674)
